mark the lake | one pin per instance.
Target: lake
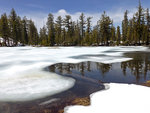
(47, 79)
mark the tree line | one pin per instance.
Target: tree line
(66, 32)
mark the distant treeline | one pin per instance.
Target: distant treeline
(66, 32)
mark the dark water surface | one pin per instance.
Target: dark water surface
(89, 77)
(135, 71)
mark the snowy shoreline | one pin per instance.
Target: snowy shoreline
(119, 98)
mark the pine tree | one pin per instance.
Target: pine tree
(63, 36)
(13, 26)
(72, 33)
(19, 29)
(43, 36)
(77, 34)
(88, 32)
(125, 26)
(24, 31)
(95, 36)
(139, 21)
(33, 34)
(58, 30)
(118, 35)
(82, 26)
(144, 35)
(144, 31)
(148, 26)
(134, 33)
(130, 32)
(105, 28)
(4, 29)
(0, 25)
(51, 30)
(113, 34)
(67, 23)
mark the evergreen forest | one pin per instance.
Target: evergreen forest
(66, 32)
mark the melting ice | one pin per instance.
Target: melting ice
(22, 78)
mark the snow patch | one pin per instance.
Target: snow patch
(120, 98)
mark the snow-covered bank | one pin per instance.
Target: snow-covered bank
(119, 98)
(20, 68)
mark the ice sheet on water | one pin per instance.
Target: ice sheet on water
(18, 85)
(31, 86)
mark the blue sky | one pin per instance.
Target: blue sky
(72, 6)
(39, 9)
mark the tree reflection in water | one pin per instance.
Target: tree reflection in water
(139, 66)
(134, 71)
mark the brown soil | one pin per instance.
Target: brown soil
(78, 101)
(146, 84)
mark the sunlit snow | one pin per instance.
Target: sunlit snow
(22, 77)
(119, 98)
(33, 86)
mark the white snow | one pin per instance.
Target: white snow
(8, 43)
(22, 78)
(1, 40)
(119, 98)
(33, 86)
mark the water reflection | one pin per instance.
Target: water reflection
(139, 67)
(134, 71)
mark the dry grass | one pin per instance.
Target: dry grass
(146, 84)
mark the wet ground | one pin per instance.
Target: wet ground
(89, 77)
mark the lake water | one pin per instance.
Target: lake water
(36, 80)
(135, 71)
